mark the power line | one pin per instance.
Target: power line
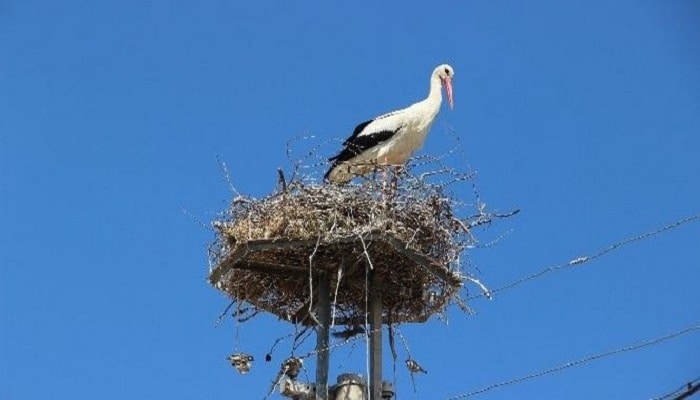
(571, 364)
(682, 392)
(691, 390)
(584, 259)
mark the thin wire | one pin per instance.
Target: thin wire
(334, 346)
(680, 391)
(584, 360)
(238, 326)
(584, 259)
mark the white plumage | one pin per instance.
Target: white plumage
(390, 139)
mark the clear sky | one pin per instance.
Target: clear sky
(584, 114)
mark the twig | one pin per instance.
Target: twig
(462, 305)
(223, 313)
(392, 342)
(268, 356)
(300, 338)
(281, 181)
(466, 229)
(486, 292)
(339, 276)
(415, 232)
(241, 199)
(487, 218)
(311, 282)
(364, 248)
(249, 317)
(227, 176)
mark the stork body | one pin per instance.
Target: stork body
(390, 139)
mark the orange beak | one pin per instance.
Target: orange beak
(447, 82)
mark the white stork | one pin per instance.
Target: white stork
(390, 139)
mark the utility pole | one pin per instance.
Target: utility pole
(375, 335)
(322, 336)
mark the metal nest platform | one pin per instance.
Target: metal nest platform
(277, 276)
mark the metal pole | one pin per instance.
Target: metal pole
(375, 337)
(322, 336)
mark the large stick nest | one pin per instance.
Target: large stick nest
(272, 252)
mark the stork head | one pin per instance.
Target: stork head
(445, 73)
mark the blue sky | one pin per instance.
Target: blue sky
(113, 115)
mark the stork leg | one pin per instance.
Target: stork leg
(398, 169)
(385, 166)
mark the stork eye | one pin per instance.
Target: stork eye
(447, 71)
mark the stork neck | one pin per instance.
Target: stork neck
(435, 94)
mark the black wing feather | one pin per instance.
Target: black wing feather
(359, 128)
(357, 146)
(357, 143)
